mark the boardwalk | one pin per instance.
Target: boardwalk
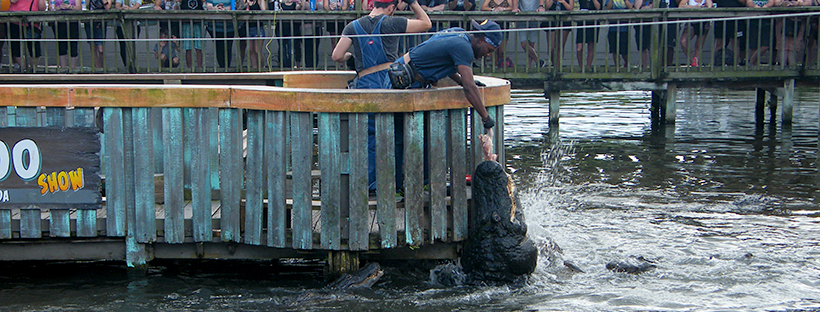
(661, 26)
(664, 64)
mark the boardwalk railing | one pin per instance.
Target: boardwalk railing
(303, 40)
(282, 167)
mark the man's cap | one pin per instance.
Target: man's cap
(490, 30)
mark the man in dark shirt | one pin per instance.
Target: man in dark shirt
(450, 53)
(373, 54)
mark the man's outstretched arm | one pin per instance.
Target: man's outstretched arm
(464, 77)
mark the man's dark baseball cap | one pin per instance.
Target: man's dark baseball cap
(490, 30)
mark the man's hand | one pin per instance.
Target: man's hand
(489, 122)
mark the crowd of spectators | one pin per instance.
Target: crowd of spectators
(782, 40)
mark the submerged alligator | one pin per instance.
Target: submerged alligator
(363, 278)
(497, 248)
(637, 266)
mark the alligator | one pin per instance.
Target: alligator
(363, 278)
(497, 248)
(639, 266)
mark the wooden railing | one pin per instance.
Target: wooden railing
(281, 167)
(282, 48)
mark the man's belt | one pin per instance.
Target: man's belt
(383, 66)
(415, 74)
(373, 69)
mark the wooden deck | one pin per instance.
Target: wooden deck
(282, 168)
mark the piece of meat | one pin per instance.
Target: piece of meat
(487, 145)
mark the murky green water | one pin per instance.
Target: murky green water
(728, 212)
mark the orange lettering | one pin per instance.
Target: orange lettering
(52, 182)
(41, 181)
(62, 180)
(76, 178)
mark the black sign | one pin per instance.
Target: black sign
(50, 167)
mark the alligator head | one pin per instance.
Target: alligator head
(497, 247)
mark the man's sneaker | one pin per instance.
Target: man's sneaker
(542, 63)
(694, 62)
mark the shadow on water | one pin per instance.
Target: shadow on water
(724, 207)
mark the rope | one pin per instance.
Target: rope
(551, 28)
(267, 45)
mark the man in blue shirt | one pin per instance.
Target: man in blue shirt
(450, 53)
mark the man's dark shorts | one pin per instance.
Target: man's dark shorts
(618, 41)
(760, 33)
(587, 35)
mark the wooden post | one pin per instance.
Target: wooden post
(788, 101)
(341, 262)
(555, 98)
(773, 107)
(669, 108)
(760, 103)
(655, 108)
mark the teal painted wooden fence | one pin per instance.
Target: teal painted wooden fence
(273, 178)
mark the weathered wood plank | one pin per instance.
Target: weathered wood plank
(156, 120)
(30, 223)
(329, 149)
(498, 139)
(255, 183)
(26, 117)
(5, 223)
(135, 252)
(4, 115)
(11, 116)
(276, 167)
(477, 127)
(84, 117)
(128, 159)
(115, 172)
(438, 175)
(498, 145)
(458, 170)
(201, 175)
(143, 138)
(55, 116)
(86, 223)
(173, 176)
(302, 158)
(414, 178)
(230, 167)
(213, 159)
(86, 218)
(386, 179)
(59, 223)
(359, 230)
